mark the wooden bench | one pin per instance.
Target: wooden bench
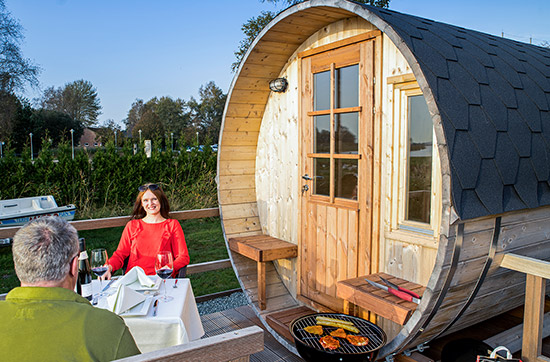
(280, 321)
(235, 346)
(262, 249)
(357, 292)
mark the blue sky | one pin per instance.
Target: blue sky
(133, 49)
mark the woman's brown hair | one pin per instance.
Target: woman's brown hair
(139, 212)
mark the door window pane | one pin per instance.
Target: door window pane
(321, 179)
(346, 128)
(419, 183)
(347, 87)
(321, 91)
(346, 179)
(321, 141)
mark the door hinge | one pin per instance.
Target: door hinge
(373, 80)
(373, 110)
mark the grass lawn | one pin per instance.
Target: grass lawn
(204, 239)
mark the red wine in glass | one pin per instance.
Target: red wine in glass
(99, 271)
(99, 265)
(164, 266)
(164, 273)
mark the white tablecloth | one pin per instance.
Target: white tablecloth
(176, 322)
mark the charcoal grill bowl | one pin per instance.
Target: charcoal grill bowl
(312, 354)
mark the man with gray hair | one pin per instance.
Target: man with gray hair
(44, 319)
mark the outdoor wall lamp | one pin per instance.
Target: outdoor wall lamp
(278, 85)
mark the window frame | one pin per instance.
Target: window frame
(339, 58)
(401, 94)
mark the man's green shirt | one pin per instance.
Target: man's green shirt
(56, 324)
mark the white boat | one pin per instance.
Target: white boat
(16, 212)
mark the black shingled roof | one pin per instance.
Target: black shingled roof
(493, 96)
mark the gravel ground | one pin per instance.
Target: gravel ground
(217, 305)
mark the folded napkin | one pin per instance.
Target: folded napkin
(136, 279)
(124, 299)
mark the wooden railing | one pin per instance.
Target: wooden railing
(111, 222)
(537, 271)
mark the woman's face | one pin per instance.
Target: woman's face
(150, 203)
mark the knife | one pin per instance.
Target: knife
(108, 285)
(395, 286)
(155, 307)
(395, 292)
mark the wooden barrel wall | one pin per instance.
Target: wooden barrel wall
(466, 285)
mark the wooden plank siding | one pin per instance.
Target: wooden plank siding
(240, 196)
(522, 233)
(241, 138)
(238, 147)
(236, 124)
(245, 167)
(237, 153)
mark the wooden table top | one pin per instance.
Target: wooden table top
(263, 247)
(361, 293)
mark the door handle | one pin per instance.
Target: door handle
(307, 177)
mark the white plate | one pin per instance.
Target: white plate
(139, 310)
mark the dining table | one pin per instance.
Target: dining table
(174, 322)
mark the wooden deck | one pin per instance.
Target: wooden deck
(228, 320)
(242, 317)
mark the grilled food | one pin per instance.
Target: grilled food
(334, 320)
(314, 330)
(357, 340)
(340, 333)
(329, 342)
(338, 323)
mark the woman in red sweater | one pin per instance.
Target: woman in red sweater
(150, 231)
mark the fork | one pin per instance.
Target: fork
(175, 284)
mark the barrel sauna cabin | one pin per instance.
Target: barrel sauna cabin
(400, 145)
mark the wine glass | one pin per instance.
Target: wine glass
(164, 266)
(99, 266)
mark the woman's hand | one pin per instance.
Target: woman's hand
(107, 275)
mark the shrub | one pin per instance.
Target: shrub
(105, 183)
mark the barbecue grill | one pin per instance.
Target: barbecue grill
(310, 349)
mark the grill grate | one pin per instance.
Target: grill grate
(377, 338)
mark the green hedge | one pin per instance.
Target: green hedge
(105, 183)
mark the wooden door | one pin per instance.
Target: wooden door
(336, 161)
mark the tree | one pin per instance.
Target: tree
(251, 29)
(207, 115)
(21, 125)
(107, 131)
(78, 99)
(150, 124)
(157, 116)
(254, 25)
(15, 70)
(54, 125)
(9, 104)
(134, 115)
(174, 114)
